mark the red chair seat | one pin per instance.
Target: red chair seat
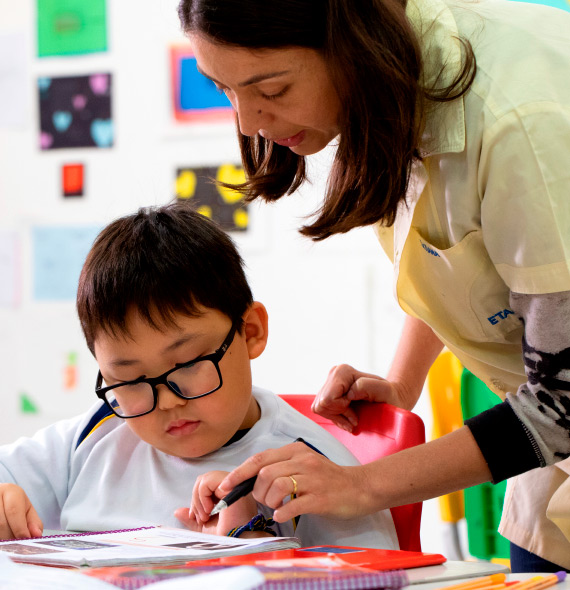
(382, 430)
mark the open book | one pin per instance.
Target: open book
(145, 545)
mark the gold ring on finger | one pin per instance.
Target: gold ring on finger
(294, 484)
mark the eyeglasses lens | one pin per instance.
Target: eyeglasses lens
(189, 381)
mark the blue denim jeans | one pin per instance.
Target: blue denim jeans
(524, 561)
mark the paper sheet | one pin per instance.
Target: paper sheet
(14, 84)
(9, 269)
(59, 254)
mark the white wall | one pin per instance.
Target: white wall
(328, 303)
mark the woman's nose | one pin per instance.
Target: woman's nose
(167, 399)
(250, 117)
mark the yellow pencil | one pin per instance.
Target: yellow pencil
(543, 581)
(478, 583)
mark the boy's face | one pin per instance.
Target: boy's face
(188, 428)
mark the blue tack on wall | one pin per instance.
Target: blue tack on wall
(58, 257)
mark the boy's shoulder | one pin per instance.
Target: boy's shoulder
(95, 429)
(95, 418)
(282, 424)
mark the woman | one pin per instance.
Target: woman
(453, 127)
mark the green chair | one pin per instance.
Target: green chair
(483, 503)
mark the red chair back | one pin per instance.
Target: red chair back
(382, 430)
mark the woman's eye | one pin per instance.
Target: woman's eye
(276, 94)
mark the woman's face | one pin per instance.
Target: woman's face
(286, 95)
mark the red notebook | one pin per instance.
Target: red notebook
(374, 559)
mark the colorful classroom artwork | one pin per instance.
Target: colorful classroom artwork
(58, 256)
(216, 202)
(9, 269)
(195, 98)
(70, 372)
(75, 112)
(71, 27)
(72, 180)
(27, 404)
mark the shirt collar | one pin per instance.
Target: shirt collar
(437, 31)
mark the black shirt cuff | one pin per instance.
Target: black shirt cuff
(507, 445)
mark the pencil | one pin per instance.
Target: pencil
(539, 582)
(245, 487)
(491, 587)
(478, 583)
(241, 490)
(523, 584)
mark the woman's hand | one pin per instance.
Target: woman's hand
(322, 487)
(204, 498)
(449, 463)
(18, 518)
(345, 385)
(416, 351)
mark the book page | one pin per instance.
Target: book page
(149, 544)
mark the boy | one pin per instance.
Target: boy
(166, 310)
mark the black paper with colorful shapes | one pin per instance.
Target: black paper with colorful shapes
(216, 202)
(75, 112)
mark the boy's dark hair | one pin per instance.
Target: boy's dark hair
(159, 262)
(375, 62)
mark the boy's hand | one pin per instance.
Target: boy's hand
(204, 498)
(18, 518)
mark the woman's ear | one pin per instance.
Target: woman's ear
(255, 329)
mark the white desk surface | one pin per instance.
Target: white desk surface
(430, 583)
(434, 576)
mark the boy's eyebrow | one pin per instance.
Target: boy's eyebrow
(253, 80)
(181, 341)
(184, 339)
(123, 363)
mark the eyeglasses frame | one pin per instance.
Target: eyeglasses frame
(214, 357)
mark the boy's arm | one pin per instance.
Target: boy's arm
(40, 465)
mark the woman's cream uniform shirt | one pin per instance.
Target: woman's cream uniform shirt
(489, 208)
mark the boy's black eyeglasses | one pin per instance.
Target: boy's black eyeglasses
(196, 378)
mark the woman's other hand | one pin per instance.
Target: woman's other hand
(417, 349)
(345, 385)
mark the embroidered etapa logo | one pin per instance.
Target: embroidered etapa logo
(429, 249)
(500, 315)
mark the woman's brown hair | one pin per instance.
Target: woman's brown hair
(375, 61)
